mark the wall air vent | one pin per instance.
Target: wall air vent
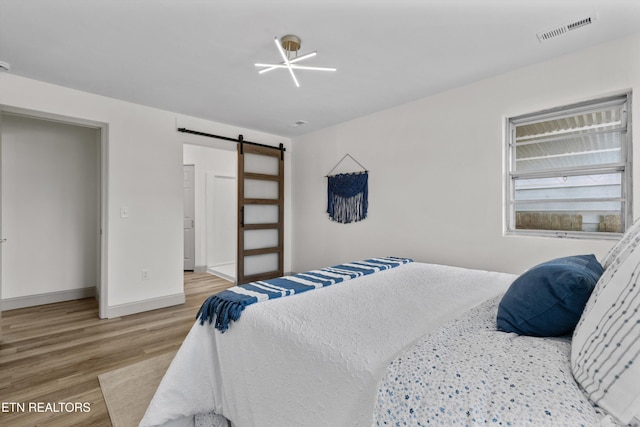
(580, 23)
(546, 35)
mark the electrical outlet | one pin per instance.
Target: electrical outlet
(124, 212)
(145, 274)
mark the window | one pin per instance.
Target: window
(569, 170)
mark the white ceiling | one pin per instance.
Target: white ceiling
(197, 57)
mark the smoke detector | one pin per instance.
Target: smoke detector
(298, 123)
(546, 35)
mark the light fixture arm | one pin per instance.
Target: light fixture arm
(286, 61)
(281, 65)
(286, 46)
(293, 66)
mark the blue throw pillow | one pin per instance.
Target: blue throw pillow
(548, 299)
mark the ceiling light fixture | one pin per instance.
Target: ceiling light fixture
(4, 66)
(288, 47)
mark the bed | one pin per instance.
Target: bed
(561, 347)
(314, 359)
(415, 345)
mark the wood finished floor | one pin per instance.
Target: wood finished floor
(54, 353)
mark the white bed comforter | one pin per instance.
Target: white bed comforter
(314, 359)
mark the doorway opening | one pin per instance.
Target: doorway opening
(214, 209)
(53, 212)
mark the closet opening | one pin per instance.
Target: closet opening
(52, 211)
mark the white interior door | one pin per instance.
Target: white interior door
(189, 218)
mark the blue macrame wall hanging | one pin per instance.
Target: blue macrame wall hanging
(348, 195)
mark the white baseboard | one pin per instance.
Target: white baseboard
(216, 270)
(47, 298)
(221, 275)
(146, 305)
(200, 269)
(222, 263)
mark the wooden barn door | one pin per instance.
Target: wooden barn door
(260, 213)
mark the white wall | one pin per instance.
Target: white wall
(436, 168)
(214, 161)
(144, 174)
(222, 220)
(51, 207)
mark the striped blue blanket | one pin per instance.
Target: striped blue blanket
(227, 306)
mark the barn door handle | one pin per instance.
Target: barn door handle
(242, 217)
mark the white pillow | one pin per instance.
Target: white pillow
(605, 353)
(632, 233)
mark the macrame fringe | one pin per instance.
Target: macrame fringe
(348, 209)
(222, 310)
